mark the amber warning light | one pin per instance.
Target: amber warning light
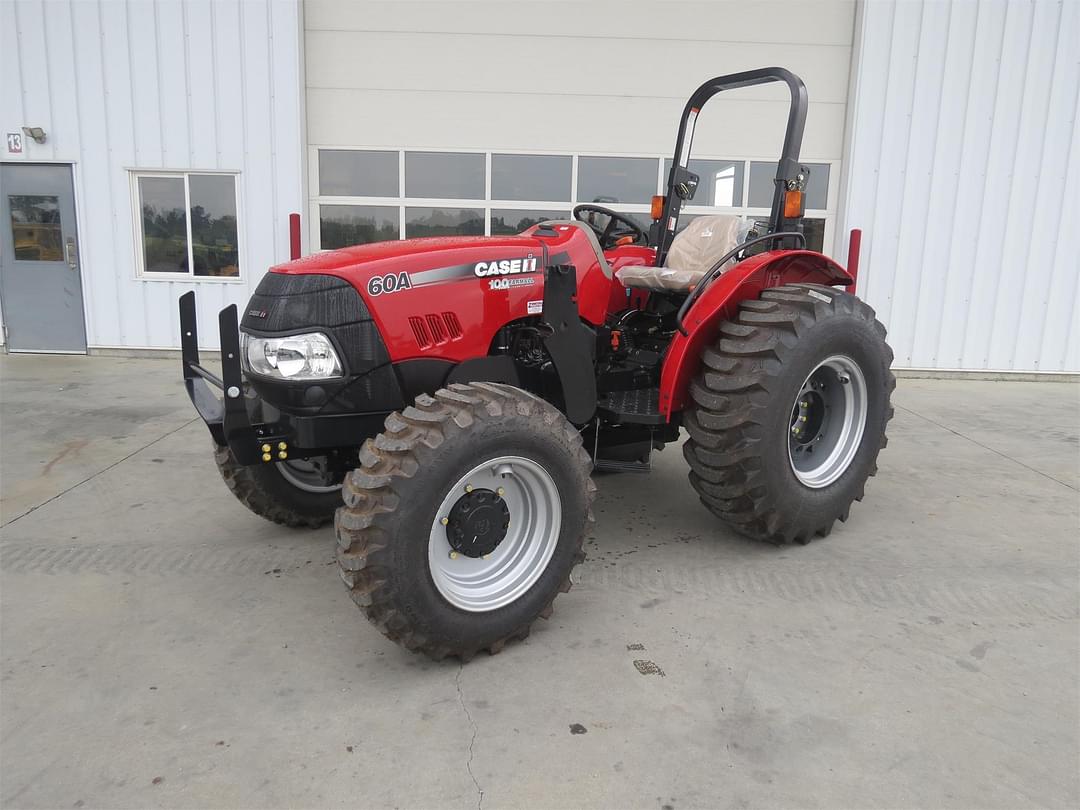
(793, 204)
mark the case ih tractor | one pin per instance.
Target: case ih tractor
(444, 401)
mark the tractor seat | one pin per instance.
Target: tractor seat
(693, 252)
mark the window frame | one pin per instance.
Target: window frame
(829, 214)
(141, 273)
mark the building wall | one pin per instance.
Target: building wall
(195, 84)
(585, 78)
(963, 166)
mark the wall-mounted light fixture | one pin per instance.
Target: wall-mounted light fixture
(37, 133)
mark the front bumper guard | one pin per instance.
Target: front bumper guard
(254, 430)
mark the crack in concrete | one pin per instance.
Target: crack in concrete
(985, 447)
(47, 501)
(472, 742)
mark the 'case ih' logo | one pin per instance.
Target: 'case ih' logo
(506, 267)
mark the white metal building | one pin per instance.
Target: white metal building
(945, 130)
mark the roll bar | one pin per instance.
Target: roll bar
(787, 169)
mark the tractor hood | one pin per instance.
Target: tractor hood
(360, 263)
(439, 298)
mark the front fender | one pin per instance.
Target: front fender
(721, 299)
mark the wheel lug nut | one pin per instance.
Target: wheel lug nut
(444, 521)
(802, 418)
(844, 379)
(453, 555)
(795, 429)
(468, 487)
(500, 491)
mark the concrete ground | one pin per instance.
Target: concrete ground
(162, 647)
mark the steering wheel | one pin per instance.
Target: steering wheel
(610, 234)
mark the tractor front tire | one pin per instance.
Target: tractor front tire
(789, 412)
(281, 497)
(465, 519)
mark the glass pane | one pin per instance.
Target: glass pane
(344, 225)
(814, 231)
(353, 173)
(761, 185)
(444, 175)
(164, 224)
(35, 228)
(616, 180)
(720, 184)
(531, 177)
(443, 222)
(507, 223)
(213, 224)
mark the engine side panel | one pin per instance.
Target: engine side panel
(446, 298)
(720, 301)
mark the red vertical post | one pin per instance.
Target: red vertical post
(294, 236)
(854, 244)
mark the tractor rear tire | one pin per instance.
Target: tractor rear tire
(268, 492)
(416, 549)
(801, 358)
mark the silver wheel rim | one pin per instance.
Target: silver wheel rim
(828, 419)
(481, 584)
(306, 475)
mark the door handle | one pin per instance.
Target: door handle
(69, 253)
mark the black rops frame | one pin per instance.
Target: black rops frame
(787, 169)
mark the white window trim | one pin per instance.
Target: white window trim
(401, 202)
(141, 273)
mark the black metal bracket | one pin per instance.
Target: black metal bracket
(571, 344)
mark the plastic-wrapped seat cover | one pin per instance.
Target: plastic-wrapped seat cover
(693, 252)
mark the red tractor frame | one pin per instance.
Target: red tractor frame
(446, 400)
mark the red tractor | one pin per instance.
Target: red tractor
(457, 393)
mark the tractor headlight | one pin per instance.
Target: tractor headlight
(296, 357)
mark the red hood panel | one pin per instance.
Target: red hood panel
(446, 297)
(377, 253)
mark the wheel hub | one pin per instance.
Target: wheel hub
(477, 523)
(827, 421)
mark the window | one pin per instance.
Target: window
(35, 228)
(720, 183)
(616, 180)
(531, 177)
(814, 231)
(354, 173)
(344, 225)
(444, 175)
(443, 222)
(375, 195)
(187, 225)
(507, 222)
(762, 176)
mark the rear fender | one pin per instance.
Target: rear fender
(720, 301)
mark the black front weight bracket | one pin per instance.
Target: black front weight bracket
(228, 418)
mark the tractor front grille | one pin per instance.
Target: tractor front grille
(286, 304)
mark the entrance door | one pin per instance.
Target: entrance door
(40, 287)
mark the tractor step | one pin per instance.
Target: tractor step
(613, 465)
(639, 406)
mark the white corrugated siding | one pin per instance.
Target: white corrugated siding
(178, 84)
(963, 165)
